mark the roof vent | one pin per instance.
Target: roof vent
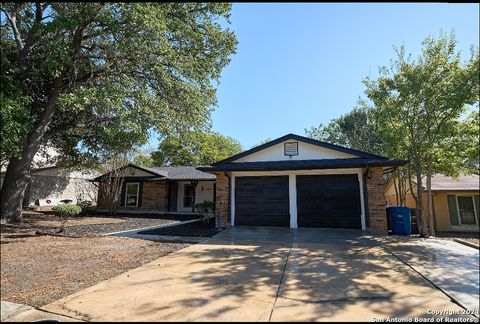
(290, 148)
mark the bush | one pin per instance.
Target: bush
(205, 206)
(67, 210)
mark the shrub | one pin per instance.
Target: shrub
(67, 210)
(205, 206)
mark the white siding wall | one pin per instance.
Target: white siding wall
(305, 152)
(200, 195)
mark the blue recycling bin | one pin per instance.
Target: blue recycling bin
(400, 220)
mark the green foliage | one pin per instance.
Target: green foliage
(356, 129)
(143, 159)
(262, 142)
(67, 210)
(205, 206)
(419, 104)
(195, 148)
(119, 69)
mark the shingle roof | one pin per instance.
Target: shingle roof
(302, 164)
(463, 182)
(171, 173)
(181, 173)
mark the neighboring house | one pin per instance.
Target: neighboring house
(159, 189)
(455, 202)
(295, 181)
(53, 185)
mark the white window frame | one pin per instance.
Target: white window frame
(474, 209)
(126, 193)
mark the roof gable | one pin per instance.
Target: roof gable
(308, 149)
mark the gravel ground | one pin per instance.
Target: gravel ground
(39, 270)
(199, 229)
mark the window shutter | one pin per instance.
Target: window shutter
(140, 194)
(452, 207)
(122, 195)
(477, 207)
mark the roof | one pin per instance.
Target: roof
(303, 164)
(305, 140)
(170, 173)
(463, 182)
(182, 173)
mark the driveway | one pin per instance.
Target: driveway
(264, 274)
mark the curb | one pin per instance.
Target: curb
(469, 244)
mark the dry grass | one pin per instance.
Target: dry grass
(39, 270)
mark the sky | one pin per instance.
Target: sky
(301, 64)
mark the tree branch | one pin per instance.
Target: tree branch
(16, 32)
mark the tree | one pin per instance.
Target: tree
(111, 183)
(195, 148)
(356, 129)
(262, 142)
(88, 78)
(420, 103)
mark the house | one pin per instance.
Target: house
(455, 201)
(158, 189)
(52, 185)
(294, 181)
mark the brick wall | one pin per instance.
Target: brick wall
(376, 205)
(222, 205)
(155, 195)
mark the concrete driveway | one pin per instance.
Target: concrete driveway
(264, 274)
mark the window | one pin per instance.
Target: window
(131, 194)
(188, 196)
(466, 210)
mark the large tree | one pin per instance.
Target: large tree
(88, 78)
(420, 103)
(356, 129)
(195, 148)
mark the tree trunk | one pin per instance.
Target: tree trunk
(17, 176)
(396, 191)
(418, 171)
(431, 224)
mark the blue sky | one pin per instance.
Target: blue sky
(299, 65)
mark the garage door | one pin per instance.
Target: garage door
(328, 201)
(262, 201)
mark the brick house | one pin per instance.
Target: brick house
(295, 181)
(158, 189)
(292, 181)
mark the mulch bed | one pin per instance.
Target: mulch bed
(39, 270)
(36, 223)
(199, 229)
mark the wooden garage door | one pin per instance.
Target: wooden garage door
(262, 201)
(328, 201)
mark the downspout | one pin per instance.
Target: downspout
(365, 198)
(229, 205)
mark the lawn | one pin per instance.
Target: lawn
(40, 265)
